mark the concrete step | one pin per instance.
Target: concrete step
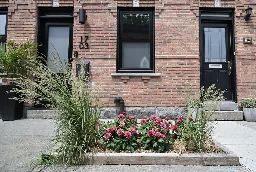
(41, 114)
(228, 106)
(228, 116)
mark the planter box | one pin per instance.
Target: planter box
(9, 109)
(250, 114)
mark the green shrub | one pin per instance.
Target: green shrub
(248, 103)
(156, 134)
(76, 102)
(121, 134)
(16, 59)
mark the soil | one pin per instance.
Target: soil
(178, 148)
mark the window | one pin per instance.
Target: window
(55, 34)
(3, 23)
(135, 40)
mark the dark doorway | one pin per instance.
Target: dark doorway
(55, 33)
(55, 37)
(217, 51)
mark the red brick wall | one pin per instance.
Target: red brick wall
(176, 47)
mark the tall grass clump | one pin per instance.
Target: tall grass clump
(195, 130)
(76, 104)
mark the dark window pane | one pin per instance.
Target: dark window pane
(2, 38)
(2, 24)
(136, 55)
(215, 45)
(136, 26)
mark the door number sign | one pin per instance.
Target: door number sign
(84, 44)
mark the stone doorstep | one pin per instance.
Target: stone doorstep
(209, 159)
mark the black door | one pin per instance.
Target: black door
(55, 34)
(217, 56)
(55, 37)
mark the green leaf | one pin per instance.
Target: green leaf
(148, 141)
(160, 140)
(155, 144)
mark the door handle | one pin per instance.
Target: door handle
(229, 67)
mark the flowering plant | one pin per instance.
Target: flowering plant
(157, 134)
(121, 134)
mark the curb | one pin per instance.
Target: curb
(164, 159)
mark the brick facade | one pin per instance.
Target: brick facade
(177, 56)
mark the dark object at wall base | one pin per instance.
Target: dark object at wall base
(9, 109)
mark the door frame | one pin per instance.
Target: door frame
(227, 19)
(50, 16)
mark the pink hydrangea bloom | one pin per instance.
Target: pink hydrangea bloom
(167, 118)
(121, 123)
(158, 119)
(163, 136)
(158, 134)
(111, 129)
(153, 117)
(130, 118)
(156, 123)
(163, 125)
(133, 131)
(143, 121)
(174, 127)
(120, 116)
(107, 136)
(151, 133)
(179, 120)
(128, 134)
(120, 132)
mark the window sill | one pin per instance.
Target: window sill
(144, 76)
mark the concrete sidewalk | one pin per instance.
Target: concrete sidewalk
(238, 138)
(22, 141)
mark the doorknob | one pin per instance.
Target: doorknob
(229, 67)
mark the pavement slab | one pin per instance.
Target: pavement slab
(238, 138)
(22, 141)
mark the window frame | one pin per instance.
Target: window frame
(119, 58)
(4, 11)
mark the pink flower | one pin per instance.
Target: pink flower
(158, 119)
(174, 127)
(120, 115)
(130, 118)
(155, 123)
(111, 129)
(163, 125)
(151, 133)
(163, 136)
(107, 136)
(167, 118)
(153, 117)
(158, 134)
(120, 132)
(143, 121)
(128, 134)
(133, 131)
(121, 123)
(179, 120)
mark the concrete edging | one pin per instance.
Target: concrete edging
(209, 159)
